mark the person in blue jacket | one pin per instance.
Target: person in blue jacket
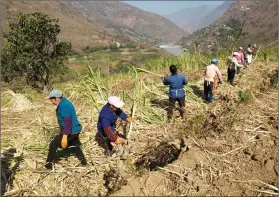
(70, 129)
(107, 122)
(176, 82)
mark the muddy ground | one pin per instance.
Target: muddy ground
(225, 148)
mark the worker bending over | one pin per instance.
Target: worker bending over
(107, 122)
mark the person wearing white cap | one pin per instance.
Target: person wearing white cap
(69, 129)
(232, 64)
(107, 122)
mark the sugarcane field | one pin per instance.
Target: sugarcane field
(127, 117)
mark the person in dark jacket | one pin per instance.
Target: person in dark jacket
(70, 129)
(107, 122)
(176, 92)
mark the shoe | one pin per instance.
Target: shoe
(48, 165)
(84, 162)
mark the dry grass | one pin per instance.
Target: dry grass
(211, 159)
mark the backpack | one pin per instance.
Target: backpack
(230, 64)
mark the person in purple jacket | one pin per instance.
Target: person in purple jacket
(176, 92)
(70, 129)
(107, 122)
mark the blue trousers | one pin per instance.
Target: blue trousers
(208, 94)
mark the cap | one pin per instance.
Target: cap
(240, 48)
(115, 101)
(55, 94)
(214, 60)
(235, 53)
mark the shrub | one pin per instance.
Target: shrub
(32, 51)
(245, 96)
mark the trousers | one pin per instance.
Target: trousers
(73, 143)
(181, 102)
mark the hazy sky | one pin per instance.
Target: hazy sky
(166, 7)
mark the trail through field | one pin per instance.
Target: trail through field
(228, 147)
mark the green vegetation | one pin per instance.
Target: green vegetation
(245, 96)
(32, 52)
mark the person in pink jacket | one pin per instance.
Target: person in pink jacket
(209, 78)
(240, 59)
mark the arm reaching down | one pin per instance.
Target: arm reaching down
(109, 131)
(220, 78)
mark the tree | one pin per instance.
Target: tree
(33, 51)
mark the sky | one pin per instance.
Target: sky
(167, 7)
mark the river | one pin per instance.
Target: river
(175, 50)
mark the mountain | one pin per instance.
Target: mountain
(245, 22)
(122, 19)
(215, 14)
(97, 24)
(74, 27)
(190, 18)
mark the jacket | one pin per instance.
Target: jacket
(176, 83)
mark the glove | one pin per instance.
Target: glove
(131, 119)
(119, 141)
(64, 141)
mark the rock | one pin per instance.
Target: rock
(269, 165)
(271, 142)
(200, 186)
(248, 151)
(261, 137)
(257, 157)
(190, 177)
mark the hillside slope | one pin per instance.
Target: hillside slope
(215, 14)
(74, 27)
(260, 25)
(190, 18)
(123, 19)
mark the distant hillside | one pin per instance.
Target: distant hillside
(123, 19)
(258, 18)
(75, 27)
(190, 19)
(215, 14)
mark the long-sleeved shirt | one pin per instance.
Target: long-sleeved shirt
(107, 122)
(240, 58)
(176, 83)
(210, 73)
(232, 63)
(67, 118)
(249, 51)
